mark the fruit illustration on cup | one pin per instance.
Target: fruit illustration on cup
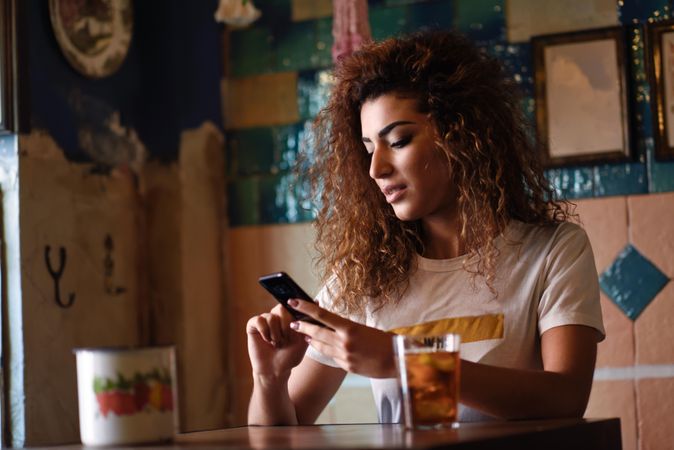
(149, 392)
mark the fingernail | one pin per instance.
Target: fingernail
(307, 339)
(294, 303)
(273, 343)
(294, 325)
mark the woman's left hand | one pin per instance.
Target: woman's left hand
(356, 348)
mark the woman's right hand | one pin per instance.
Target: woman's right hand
(273, 347)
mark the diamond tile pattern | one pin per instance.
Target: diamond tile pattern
(632, 282)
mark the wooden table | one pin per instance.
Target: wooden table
(575, 434)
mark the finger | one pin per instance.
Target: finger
(330, 351)
(259, 325)
(314, 311)
(276, 330)
(315, 332)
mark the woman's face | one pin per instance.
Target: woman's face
(411, 173)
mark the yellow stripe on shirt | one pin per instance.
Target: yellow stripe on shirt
(471, 328)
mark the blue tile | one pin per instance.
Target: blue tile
(313, 90)
(620, 179)
(572, 182)
(517, 62)
(632, 282)
(632, 11)
(481, 20)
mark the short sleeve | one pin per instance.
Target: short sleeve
(571, 287)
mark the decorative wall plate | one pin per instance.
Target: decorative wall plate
(94, 35)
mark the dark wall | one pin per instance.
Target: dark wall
(169, 81)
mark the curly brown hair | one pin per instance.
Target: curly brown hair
(476, 112)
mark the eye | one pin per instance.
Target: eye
(401, 142)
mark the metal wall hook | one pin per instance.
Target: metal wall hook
(56, 276)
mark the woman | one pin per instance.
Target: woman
(436, 217)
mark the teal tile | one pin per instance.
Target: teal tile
(281, 200)
(631, 11)
(632, 282)
(660, 173)
(571, 182)
(620, 179)
(262, 150)
(243, 200)
(251, 52)
(433, 15)
(313, 90)
(304, 45)
(481, 20)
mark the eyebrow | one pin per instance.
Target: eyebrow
(387, 129)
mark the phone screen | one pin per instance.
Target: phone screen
(283, 288)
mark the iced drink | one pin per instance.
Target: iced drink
(433, 382)
(428, 369)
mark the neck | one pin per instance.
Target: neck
(442, 238)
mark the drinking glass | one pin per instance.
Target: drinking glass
(429, 371)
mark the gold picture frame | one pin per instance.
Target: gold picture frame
(660, 62)
(582, 101)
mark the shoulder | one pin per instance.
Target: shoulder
(549, 236)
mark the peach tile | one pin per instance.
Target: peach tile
(605, 221)
(655, 405)
(651, 219)
(310, 9)
(617, 350)
(615, 399)
(260, 100)
(654, 330)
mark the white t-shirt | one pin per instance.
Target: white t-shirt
(545, 277)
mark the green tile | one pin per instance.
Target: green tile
(481, 20)
(387, 22)
(251, 52)
(243, 200)
(304, 45)
(262, 150)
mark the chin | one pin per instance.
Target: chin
(405, 216)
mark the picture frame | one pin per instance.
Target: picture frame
(660, 62)
(582, 98)
(9, 66)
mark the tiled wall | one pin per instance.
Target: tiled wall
(279, 76)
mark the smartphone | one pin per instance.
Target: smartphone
(283, 288)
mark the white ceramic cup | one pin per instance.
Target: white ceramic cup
(126, 395)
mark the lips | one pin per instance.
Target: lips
(393, 192)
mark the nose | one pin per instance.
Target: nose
(380, 164)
